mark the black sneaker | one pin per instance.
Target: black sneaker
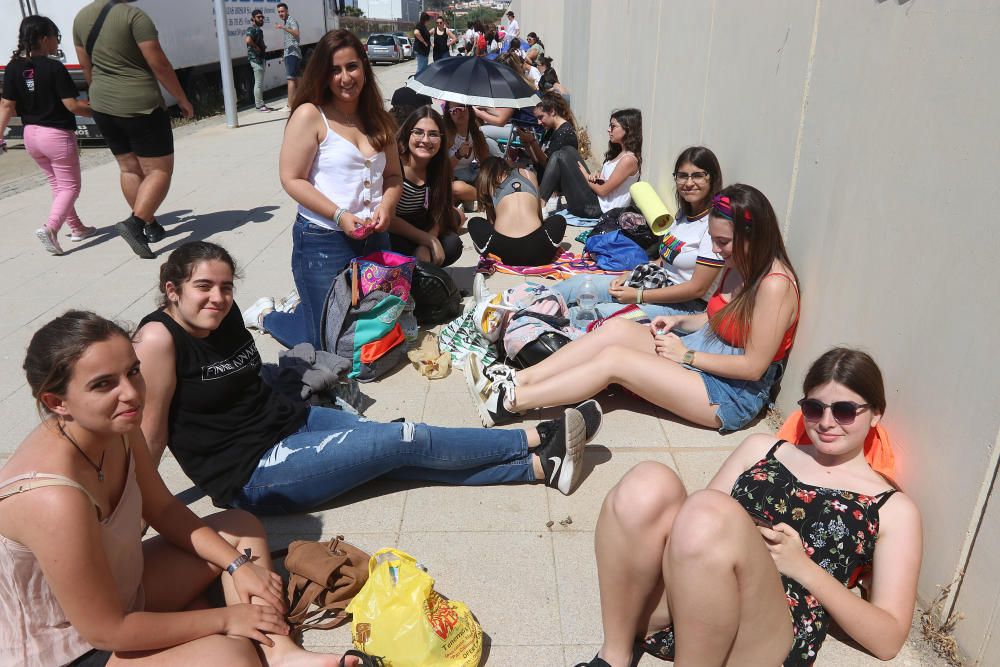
(154, 232)
(132, 230)
(561, 451)
(593, 416)
(596, 662)
(490, 402)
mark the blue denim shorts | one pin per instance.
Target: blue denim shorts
(738, 401)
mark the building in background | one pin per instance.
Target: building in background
(404, 10)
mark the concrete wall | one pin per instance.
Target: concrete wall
(870, 125)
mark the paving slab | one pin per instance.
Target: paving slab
(533, 586)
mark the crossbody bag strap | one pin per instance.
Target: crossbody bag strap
(98, 24)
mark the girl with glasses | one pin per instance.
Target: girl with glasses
(690, 264)
(753, 569)
(590, 195)
(714, 368)
(38, 88)
(426, 224)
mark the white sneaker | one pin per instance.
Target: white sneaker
(479, 377)
(78, 235)
(49, 240)
(253, 315)
(265, 109)
(480, 292)
(287, 303)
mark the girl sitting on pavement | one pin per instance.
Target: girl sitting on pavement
(469, 149)
(718, 376)
(247, 446)
(691, 578)
(38, 88)
(513, 230)
(426, 224)
(686, 253)
(79, 582)
(590, 195)
(560, 131)
(339, 162)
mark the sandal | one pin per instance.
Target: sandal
(366, 660)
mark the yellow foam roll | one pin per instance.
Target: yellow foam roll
(659, 216)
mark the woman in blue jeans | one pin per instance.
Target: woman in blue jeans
(339, 162)
(247, 446)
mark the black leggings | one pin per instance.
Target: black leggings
(450, 243)
(562, 174)
(537, 248)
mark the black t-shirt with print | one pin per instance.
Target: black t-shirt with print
(223, 417)
(562, 136)
(38, 86)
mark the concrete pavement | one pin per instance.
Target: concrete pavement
(532, 586)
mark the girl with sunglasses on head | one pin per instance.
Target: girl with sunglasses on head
(589, 195)
(753, 569)
(38, 88)
(250, 447)
(81, 586)
(719, 375)
(469, 148)
(426, 224)
(339, 162)
(686, 253)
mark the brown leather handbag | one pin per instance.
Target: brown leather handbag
(323, 577)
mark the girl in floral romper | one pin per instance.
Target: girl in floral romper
(752, 570)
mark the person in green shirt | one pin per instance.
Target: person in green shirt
(124, 70)
(256, 51)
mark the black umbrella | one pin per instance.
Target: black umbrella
(476, 81)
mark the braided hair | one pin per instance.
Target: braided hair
(33, 29)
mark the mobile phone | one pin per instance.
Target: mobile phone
(599, 181)
(759, 519)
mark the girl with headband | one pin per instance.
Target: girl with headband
(714, 368)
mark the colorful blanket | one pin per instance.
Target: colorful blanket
(564, 266)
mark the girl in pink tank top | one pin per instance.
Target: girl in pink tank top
(75, 573)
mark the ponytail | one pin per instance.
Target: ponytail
(33, 29)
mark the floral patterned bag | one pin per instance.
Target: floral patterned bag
(382, 271)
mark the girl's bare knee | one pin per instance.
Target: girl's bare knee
(239, 523)
(708, 522)
(645, 495)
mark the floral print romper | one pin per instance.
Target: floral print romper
(838, 530)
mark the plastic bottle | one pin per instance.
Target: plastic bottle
(586, 299)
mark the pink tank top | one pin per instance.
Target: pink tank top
(34, 629)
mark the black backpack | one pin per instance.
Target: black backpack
(435, 295)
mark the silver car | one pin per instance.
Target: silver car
(383, 48)
(407, 47)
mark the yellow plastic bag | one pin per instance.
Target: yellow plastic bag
(399, 616)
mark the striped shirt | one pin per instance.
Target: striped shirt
(413, 205)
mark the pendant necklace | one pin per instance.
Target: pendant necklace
(99, 467)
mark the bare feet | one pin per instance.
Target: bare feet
(286, 653)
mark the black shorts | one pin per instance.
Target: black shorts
(146, 136)
(95, 658)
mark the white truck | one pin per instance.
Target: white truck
(188, 37)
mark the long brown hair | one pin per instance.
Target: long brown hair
(516, 63)
(438, 169)
(631, 122)
(492, 172)
(479, 146)
(757, 243)
(704, 159)
(315, 87)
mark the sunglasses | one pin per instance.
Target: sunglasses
(844, 412)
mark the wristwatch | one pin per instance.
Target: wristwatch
(689, 358)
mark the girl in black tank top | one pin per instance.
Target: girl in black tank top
(441, 36)
(250, 447)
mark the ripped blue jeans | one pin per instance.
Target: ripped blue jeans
(335, 451)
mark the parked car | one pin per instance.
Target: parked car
(384, 48)
(407, 47)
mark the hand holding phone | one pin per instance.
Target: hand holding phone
(759, 519)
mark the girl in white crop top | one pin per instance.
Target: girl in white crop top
(77, 576)
(622, 162)
(339, 162)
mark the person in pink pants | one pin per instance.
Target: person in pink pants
(39, 90)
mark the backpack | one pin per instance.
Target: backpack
(360, 320)
(539, 328)
(435, 294)
(615, 251)
(326, 575)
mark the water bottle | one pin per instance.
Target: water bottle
(586, 299)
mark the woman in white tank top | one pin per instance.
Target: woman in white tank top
(338, 161)
(79, 582)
